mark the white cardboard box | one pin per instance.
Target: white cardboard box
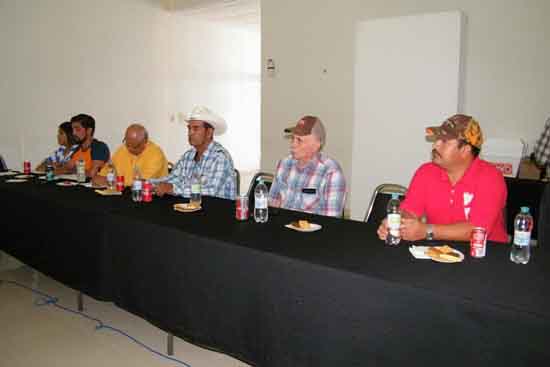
(505, 154)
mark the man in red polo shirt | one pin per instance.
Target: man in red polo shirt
(457, 191)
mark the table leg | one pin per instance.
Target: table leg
(170, 344)
(80, 302)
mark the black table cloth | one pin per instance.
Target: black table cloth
(336, 297)
(57, 230)
(523, 192)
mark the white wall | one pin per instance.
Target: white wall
(121, 61)
(220, 67)
(506, 66)
(10, 129)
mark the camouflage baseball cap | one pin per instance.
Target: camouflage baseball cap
(461, 127)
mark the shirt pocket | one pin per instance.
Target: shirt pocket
(310, 202)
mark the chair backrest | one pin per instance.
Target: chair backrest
(267, 178)
(237, 182)
(3, 166)
(376, 211)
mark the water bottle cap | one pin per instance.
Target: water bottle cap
(524, 209)
(395, 196)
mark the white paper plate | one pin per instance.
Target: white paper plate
(8, 173)
(67, 177)
(89, 185)
(312, 227)
(419, 252)
(16, 180)
(67, 183)
(23, 176)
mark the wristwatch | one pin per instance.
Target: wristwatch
(429, 232)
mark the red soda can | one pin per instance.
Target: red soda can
(241, 207)
(119, 183)
(478, 242)
(147, 192)
(27, 167)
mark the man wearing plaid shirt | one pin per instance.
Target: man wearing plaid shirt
(307, 180)
(542, 148)
(207, 159)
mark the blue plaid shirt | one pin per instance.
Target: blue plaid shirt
(319, 187)
(215, 169)
(59, 155)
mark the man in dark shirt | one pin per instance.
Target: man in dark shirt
(93, 152)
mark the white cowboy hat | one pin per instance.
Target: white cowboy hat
(201, 113)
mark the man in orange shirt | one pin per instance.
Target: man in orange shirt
(93, 152)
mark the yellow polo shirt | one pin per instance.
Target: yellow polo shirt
(151, 163)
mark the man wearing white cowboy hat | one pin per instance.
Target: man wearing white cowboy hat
(207, 160)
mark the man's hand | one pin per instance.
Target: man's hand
(69, 166)
(99, 181)
(163, 188)
(383, 230)
(275, 203)
(412, 228)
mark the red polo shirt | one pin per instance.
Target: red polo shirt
(479, 197)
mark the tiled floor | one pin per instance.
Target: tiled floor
(46, 336)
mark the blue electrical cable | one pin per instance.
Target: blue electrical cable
(49, 300)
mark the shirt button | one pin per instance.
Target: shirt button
(452, 201)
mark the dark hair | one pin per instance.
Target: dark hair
(68, 130)
(86, 121)
(475, 150)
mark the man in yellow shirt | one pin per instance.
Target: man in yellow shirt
(137, 152)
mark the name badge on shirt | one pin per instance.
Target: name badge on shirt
(306, 190)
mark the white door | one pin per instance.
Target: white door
(407, 77)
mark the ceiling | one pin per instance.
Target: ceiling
(245, 12)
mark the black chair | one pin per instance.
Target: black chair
(543, 239)
(267, 178)
(376, 211)
(237, 182)
(3, 166)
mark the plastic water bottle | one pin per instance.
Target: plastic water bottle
(137, 186)
(393, 221)
(111, 176)
(196, 189)
(50, 174)
(80, 171)
(260, 203)
(523, 225)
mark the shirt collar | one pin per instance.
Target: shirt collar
(471, 170)
(211, 147)
(311, 164)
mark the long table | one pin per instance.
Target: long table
(272, 296)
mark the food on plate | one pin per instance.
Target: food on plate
(443, 252)
(303, 224)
